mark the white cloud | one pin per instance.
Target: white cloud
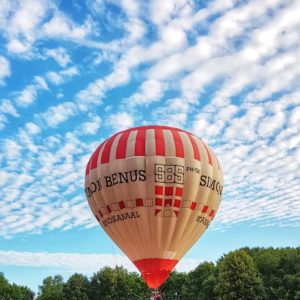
(92, 95)
(295, 116)
(173, 36)
(120, 121)
(161, 12)
(59, 113)
(173, 113)
(54, 77)
(23, 23)
(34, 173)
(135, 28)
(91, 126)
(131, 7)
(62, 27)
(12, 149)
(61, 77)
(29, 94)
(150, 91)
(6, 107)
(40, 83)
(271, 124)
(70, 72)
(60, 55)
(5, 70)
(17, 47)
(32, 128)
(78, 262)
(20, 23)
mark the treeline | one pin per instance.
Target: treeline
(255, 273)
(14, 292)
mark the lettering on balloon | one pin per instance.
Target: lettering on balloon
(113, 179)
(121, 217)
(211, 183)
(94, 186)
(193, 169)
(202, 220)
(125, 177)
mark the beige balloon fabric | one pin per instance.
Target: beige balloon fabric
(154, 190)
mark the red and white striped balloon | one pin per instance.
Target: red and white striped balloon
(154, 190)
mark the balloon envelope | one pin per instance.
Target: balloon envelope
(154, 190)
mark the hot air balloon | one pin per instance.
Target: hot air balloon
(154, 190)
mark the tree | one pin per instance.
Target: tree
(280, 270)
(5, 288)
(136, 287)
(14, 292)
(76, 288)
(175, 287)
(103, 285)
(238, 277)
(118, 283)
(202, 281)
(22, 292)
(51, 289)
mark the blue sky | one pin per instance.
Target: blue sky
(74, 72)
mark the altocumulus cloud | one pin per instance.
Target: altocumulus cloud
(227, 71)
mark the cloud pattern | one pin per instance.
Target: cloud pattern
(228, 71)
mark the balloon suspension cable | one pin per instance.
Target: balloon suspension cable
(156, 295)
(114, 253)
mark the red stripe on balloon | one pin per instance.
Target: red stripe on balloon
(178, 144)
(140, 143)
(208, 154)
(106, 151)
(159, 142)
(88, 166)
(195, 147)
(122, 145)
(94, 157)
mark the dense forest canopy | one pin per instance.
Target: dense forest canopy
(247, 273)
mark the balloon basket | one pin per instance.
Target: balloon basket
(156, 295)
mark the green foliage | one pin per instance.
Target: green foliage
(238, 277)
(14, 292)
(51, 289)
(76, 288)
(175, 287)
(280, 271)
(202, 281)
(22, 292)
(5, 288)
(118, 283)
